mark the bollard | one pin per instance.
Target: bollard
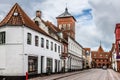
(26, 75)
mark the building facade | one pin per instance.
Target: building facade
(114, 61)
(57, 34)
(26, 48)
(88, 57)
(66, 23)
(100, 58)
(117, 45)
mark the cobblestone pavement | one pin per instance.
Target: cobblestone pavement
(91, 74)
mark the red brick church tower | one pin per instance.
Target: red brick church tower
(66, 23)
(117, 44)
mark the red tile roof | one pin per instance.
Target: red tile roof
(52, 26)
(87, 49)
(100, 49)
(17, 17)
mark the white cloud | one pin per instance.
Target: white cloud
(87, 33)
(106, 15)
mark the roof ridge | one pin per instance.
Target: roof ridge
(20, 19)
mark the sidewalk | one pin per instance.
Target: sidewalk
(57, 76)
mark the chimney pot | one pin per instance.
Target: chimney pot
(38, 13)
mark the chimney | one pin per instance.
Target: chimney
(38, 13)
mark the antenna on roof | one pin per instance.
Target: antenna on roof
(66, 5)
(66, 9)
(100, 42)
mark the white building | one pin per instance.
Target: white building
(114, 55)
(74, 55)
(24, 47)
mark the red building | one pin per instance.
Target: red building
(100, 58)
(117, 45)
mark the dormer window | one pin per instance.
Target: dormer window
(37, 23)
(15, 14)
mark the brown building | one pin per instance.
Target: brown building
(100, 58)
(88, 57)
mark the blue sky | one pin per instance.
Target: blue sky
(95, 19)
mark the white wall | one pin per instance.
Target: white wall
(32, 50)
(12, 51)
(75, 53)
(74, 48)
(15, 52)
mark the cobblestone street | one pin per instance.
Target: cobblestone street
(92, 74)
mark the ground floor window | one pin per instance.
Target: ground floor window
(32, 64)
(49, 65)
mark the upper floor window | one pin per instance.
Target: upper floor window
(58, 49)
(106, 55)
(51, 45)
(47, 44)
(64, 26)
(36, 40)
(95, 55)
(60, 26)
(42, 42)
(55, 47)
(101, 55)
(2, 37)
(29, 38)
(68, 26)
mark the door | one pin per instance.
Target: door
(55, 66)
(42, 57)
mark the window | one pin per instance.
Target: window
(37, 23)
(36, 40)
(58, 49)
(2, 37)
(68, 25)
(101, 55)
(29, 38)
(95, 55)
(51, 45)
(60, 26)
(42, 42)
(47, 44)
(64, 26)
(119, 47)
(55, 47)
